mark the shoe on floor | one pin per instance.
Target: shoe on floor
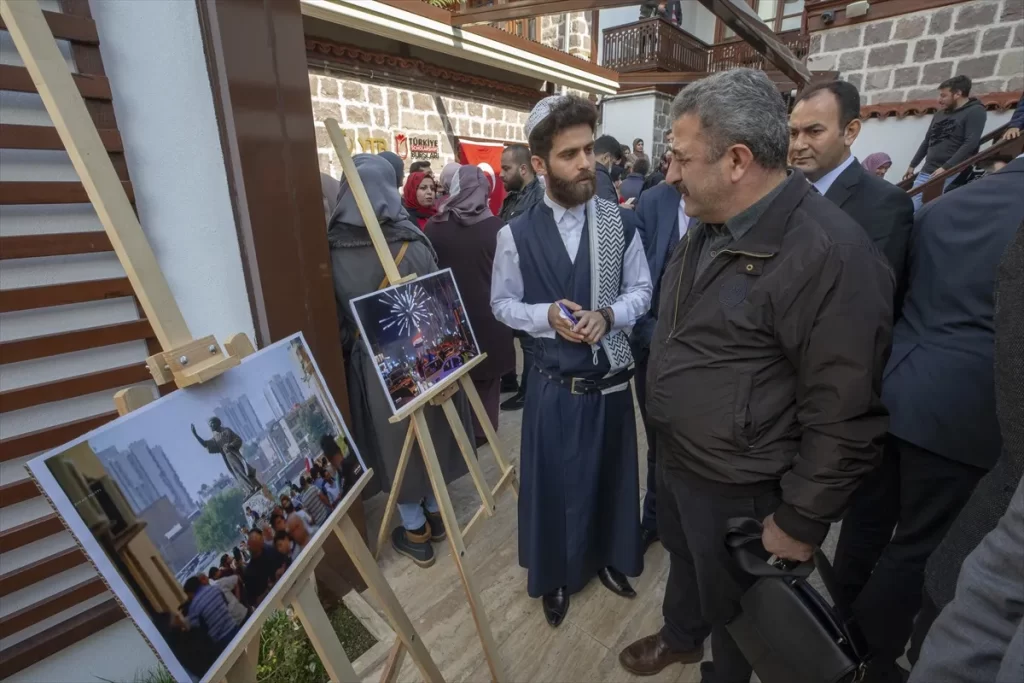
(648, 537)
(514, 403)
(707, 672)
(509, 384)
(556, 605)
(650, 655)
(436, 526)
(415, 546)
(616, 582)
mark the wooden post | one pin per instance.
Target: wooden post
(396, 486)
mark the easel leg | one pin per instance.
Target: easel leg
(381, 591)
(396, 486)
(492, 436)
(394, 663)
(320, 632)
(244, 670)
(458, 547)
(469, 455)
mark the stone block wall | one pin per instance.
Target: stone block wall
(371, 110)
(905, 58)
(553, 27)
(662, 125)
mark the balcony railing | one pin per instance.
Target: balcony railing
(658, 45)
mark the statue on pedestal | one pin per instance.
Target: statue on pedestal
(229, 445)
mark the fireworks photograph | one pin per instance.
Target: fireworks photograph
(417, 333)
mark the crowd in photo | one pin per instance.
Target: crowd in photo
(809, 344)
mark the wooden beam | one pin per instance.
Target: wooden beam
(34, 572)
(44, 296)
(18, 79)
(51, 244)
(45, 192)
(54, 604)
(523, 9)
(70, 27)
(14, 447)
(18, 492)
(57, 87)
(29, 532)
(14, 136)
(82, 385)
(30, 348)
(738, 16)
(42, 645)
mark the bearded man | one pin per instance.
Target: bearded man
(573, 275)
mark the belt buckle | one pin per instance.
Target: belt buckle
(572, 387)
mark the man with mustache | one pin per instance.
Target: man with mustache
(765, 374)
(570, 272)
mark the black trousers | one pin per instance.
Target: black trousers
(649, 520)
(896, 519)
(525, 341)
(704, 584)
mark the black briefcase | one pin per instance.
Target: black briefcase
(785, 629)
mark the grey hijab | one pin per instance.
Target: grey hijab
(347, 228)
(467, 201)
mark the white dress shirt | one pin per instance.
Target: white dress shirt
(507, 279)
(825, 181)
(684, 220)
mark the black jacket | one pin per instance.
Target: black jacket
(605, 186)
(766, 371)
(884, 211)
(952, 137)
(518, 201)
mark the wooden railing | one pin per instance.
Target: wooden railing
(738, 53)
(998, 147)
(658, 45)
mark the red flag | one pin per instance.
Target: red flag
(489, 153)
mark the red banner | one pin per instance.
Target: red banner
(477, 153)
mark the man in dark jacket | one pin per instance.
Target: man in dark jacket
(823, 126)
(607, 151)
(662, 222)
(953, 135)
(633, 185)
(764, 379)
(524, 190)
(940, 391)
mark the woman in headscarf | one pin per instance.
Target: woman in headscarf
(444, 183)
(877, 163)
(418, 197)
(357, 271)
(465, 235)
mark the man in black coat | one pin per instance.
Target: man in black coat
(607, 151)
(939, 388)
(822, 128)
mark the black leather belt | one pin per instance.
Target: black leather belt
(579, 385)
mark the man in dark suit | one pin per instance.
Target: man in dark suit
(823, 126)
(661, 222)
(939, 387)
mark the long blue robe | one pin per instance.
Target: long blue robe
(579, 495)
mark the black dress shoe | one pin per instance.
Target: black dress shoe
(616, 582)
(556, 604)
(514, 402)
(648, 537)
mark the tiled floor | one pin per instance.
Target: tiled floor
(584, 648)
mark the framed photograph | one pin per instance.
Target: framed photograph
(417, 334)
(196, 507)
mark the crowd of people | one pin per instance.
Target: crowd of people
(806, 348)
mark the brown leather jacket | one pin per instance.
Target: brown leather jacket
(766, 372)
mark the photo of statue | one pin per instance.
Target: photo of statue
(229, 445)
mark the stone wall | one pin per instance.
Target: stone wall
(552, 32)
(662, 124)
(905, 58)
(370, 112)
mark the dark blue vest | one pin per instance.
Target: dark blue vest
(549, 275)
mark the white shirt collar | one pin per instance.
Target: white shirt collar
(825, 182)
(560, 211)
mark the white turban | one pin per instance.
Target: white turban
(541, 111)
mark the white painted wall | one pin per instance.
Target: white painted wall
(627, 117)
(153, 55)
(698, 21)
(900, 138)
(610, 18)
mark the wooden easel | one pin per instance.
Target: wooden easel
(187, 361)
(439, 395)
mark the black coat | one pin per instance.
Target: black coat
(882, 209)
(469, 251)
(939, 385)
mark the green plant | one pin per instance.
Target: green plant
(287, 656)
(157, 675)
(217, 526)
